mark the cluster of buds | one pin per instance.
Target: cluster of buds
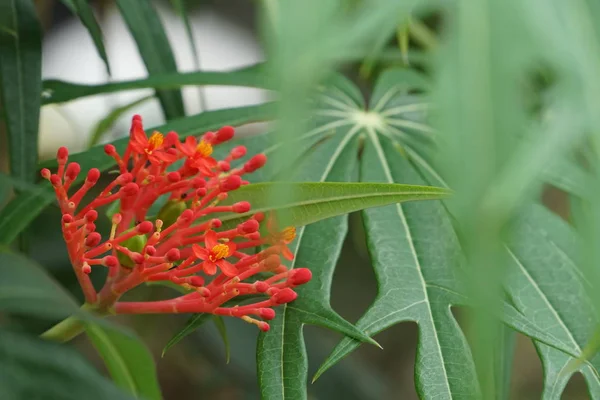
(186, 243)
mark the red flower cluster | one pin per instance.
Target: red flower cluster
(184, 244)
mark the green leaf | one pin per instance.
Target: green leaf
(567, 175)
(6, 188)
(180, 7)
(194, 323)
(57, 91)
(84, 11)
(220, 324)
(107, 122)
(25, 288)
(547, 287)
(20, 83)
(315, 201)
(22, 209)
(35, 369)
(147, 30)
(128, 360)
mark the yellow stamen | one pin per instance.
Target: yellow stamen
(220, 251)
(156, 140)
(204, 148)
(288, 234)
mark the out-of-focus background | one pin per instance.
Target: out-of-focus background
(226, 36)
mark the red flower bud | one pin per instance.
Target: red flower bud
(150, 250)
(230, 183)
(131, 189)
(91, 215)
(299, 276)
(223, 166)
(267, 313)
(125, 178)
(261, 286)
(263, 326)
(249, 226)
(55, 180)
(93, 175)
(238, 152)
(174, 176)
(73, 170)
(185, 217)
(171, 138)
(241, 207)
(137, 258)
(111, 261)
(255, 163)
(284, 296)
(224, 134)
(173, 255)
(62, 154)
(93, 239)
(196, 281)
(145, 227)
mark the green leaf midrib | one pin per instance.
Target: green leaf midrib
(386, 167)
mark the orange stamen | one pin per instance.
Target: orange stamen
(204, 148)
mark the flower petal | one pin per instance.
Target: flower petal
(209, 267)
(231, 247)
(228, 268)
(287, 254)
(210, 239)
(199, 251)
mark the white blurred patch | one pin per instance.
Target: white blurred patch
(69, 54)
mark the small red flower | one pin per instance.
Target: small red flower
(282, 238)
(187, 248)
(198, 155)
(215, 254)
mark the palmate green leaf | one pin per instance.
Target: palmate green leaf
(413, 246)
(281, 355)
(546, 285)
(84, 11)
(396, 122)
(57, 91)
(27, 205)
(34, 369)
(20, 83)
(128, 360)
(147, 30)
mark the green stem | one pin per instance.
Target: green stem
(70, 327)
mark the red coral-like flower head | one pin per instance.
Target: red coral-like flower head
(187, 243)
